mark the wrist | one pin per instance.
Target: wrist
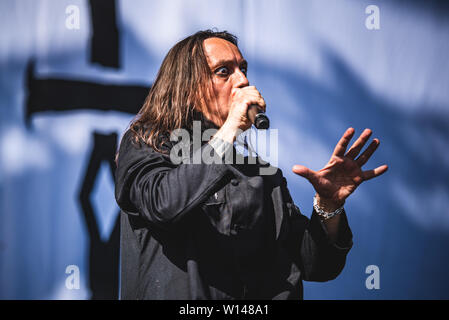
(328, 205)
(228, 132)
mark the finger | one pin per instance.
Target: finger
(245, 92)
(364, 157)
(369, 174)
(250, 90)
(341, 146)
(358, 144)
(260, 102)
(303, 171)
(254, 95)
(254, 92)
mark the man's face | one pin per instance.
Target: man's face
(228, 71)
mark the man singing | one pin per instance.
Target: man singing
(219, 230)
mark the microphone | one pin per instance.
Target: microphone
(258, 117)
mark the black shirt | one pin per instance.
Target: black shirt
(216, 231)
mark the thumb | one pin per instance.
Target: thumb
(302, 171)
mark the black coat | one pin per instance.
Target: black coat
(216, 231)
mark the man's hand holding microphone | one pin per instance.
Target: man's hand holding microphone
(247, 108)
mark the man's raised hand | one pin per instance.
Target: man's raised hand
(343, 173)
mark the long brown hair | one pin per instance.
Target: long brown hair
(179, 91)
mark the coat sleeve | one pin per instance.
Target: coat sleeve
(318, 258)
(148, 184)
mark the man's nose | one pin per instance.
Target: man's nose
(241, 80)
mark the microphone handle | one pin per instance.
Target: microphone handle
(258, 117)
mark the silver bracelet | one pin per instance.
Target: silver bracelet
(323, 214)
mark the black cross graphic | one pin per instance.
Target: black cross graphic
(53, 94)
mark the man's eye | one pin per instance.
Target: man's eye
(222, 71)
(244, 70)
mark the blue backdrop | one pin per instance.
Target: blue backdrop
(321, 66)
